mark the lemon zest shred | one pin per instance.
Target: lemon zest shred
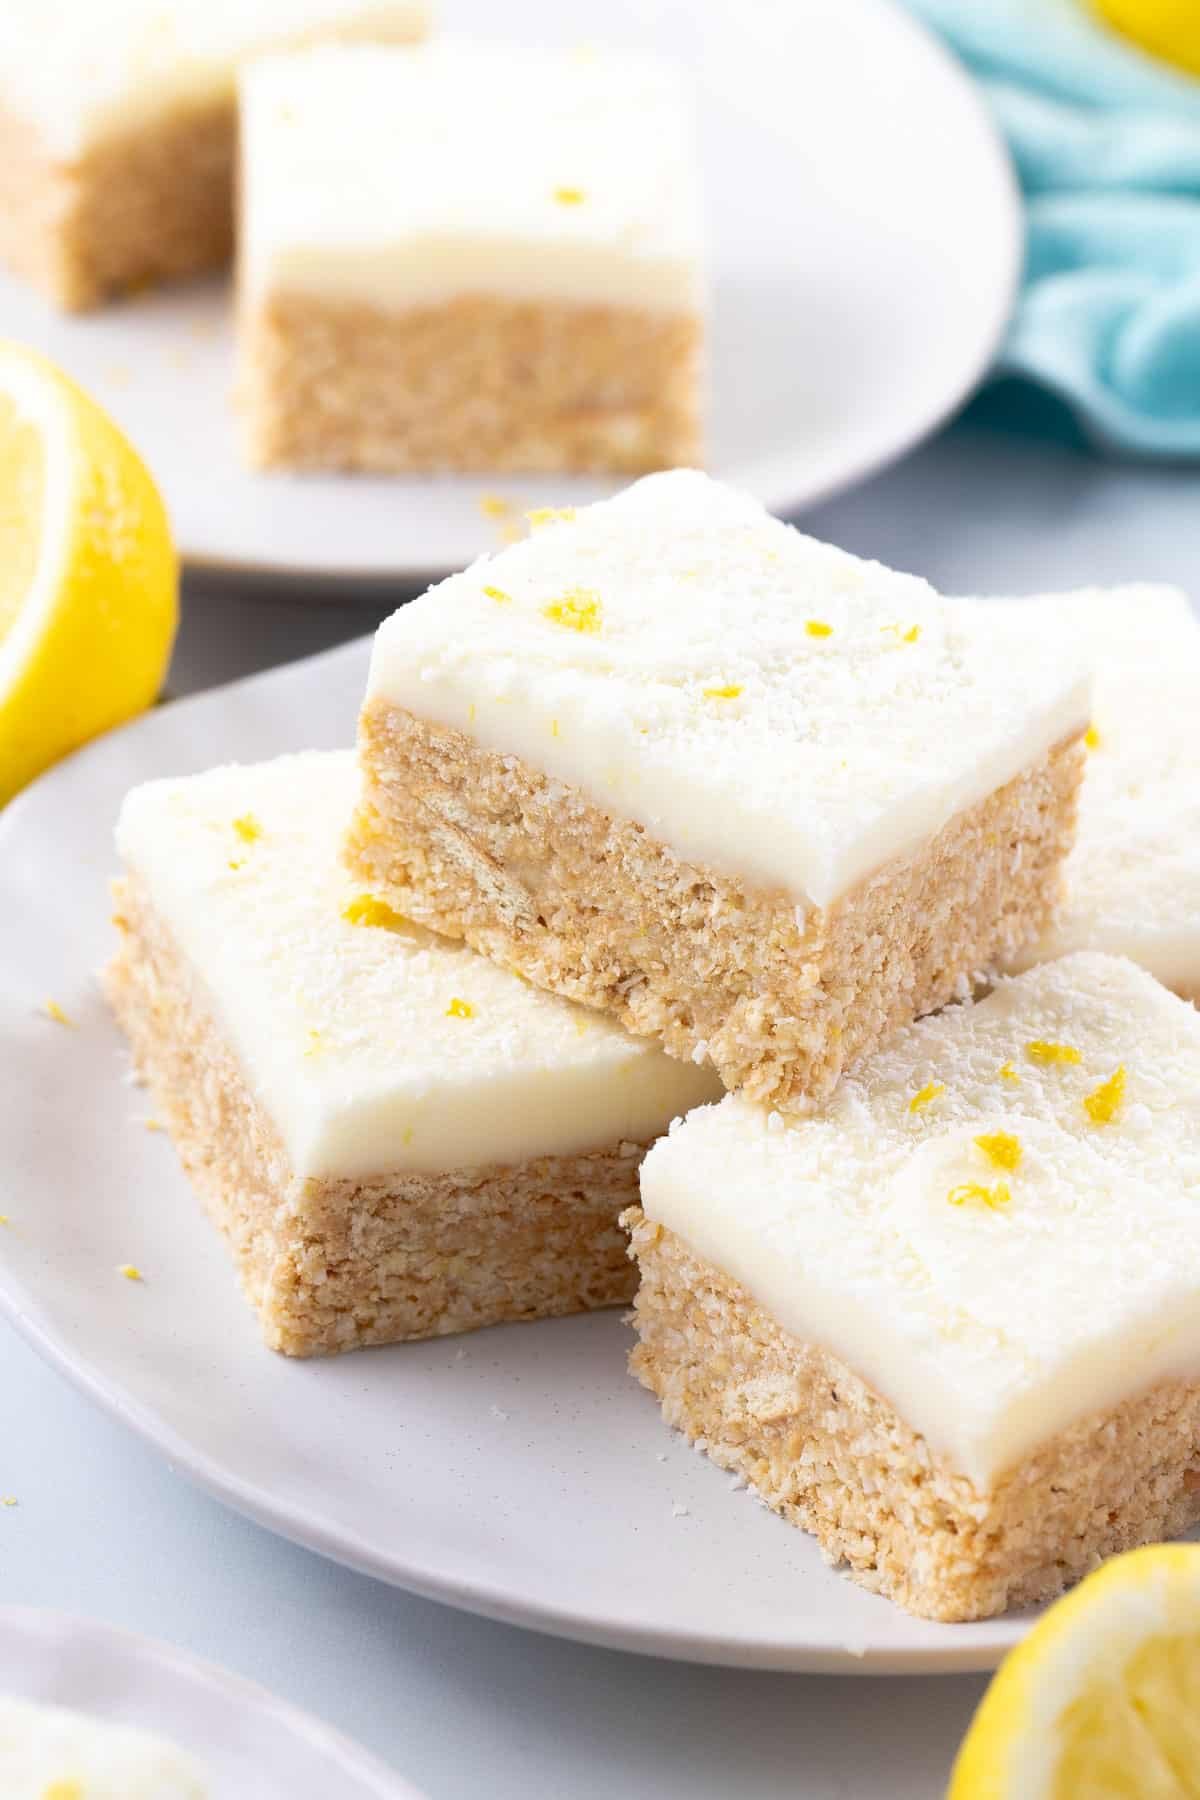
(365, 909)
(498, 595)
(1000, 1195)
(1006, 1072)
(63, 1790)
(546, 515)
(494, 506)
(247, 828)
(1001, 1148)
(818, 628)
(730, 691)
(1091, 738)
(569, 196)
(54, 1011)
(1039, 1051)
(929, 1092)
(578, 610)
(460, 1009)
(130, 1271)
(1104, 1102)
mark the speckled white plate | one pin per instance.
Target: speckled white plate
(251, 1745)
(865, 242)
(518, 1472)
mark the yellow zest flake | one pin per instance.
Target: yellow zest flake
(578, 610)
(1038, 1051)
(498, 595)
(1091, 738)
(236, 863)
(406, 1136)
(569, 196)
(1001, 1148)
(63, 1790)
(131, 1272)
(471, 713)
(903, 637)
(54, 1011)
(1006, 1072)
(1103, 1104)
(460, 1009)
(929, 1092)
(4, 1219)
(730, 691)
(818, 628)
(494, 506)
(247, 828)
(975, 1190)
(314, 1042)
(545, 515)
(581, 1025)
(367, 910)
(153, 1125)
(554, 728)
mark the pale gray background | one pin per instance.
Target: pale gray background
(461, 1706)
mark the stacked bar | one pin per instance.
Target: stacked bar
(951, 1324)
(1133, 876)
(743, 792)
(396, 1138)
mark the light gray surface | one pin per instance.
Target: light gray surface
(461, 1706)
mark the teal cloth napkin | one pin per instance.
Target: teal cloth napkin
(1106, 143)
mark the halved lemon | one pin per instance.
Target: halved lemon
(1103, 1697)
(89, 578)
(1166, 28)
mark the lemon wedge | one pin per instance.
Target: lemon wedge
(1169, 29)
(1102, 1697)
(89, 577)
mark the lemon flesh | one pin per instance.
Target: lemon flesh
(1169, 29)
(88, 572)
(1102, 1699)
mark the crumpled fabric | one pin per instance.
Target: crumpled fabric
(1106, 143)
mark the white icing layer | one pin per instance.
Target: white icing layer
(349, 1033)
(1133, 878)
(80, 70)
(703, 706)
(989, 1329)
(408, 177)
(44, 1745)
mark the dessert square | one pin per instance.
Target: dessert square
(118, 125)
(52, 1753)
(1133, 876)
(951, 1323)
(746, 793)
(468, 257)
(397, 1139)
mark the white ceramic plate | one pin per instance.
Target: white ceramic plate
(865, 242)
(251, 1745)
(518, 1472)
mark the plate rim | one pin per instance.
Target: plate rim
(53, 1625)
(478, 1597)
